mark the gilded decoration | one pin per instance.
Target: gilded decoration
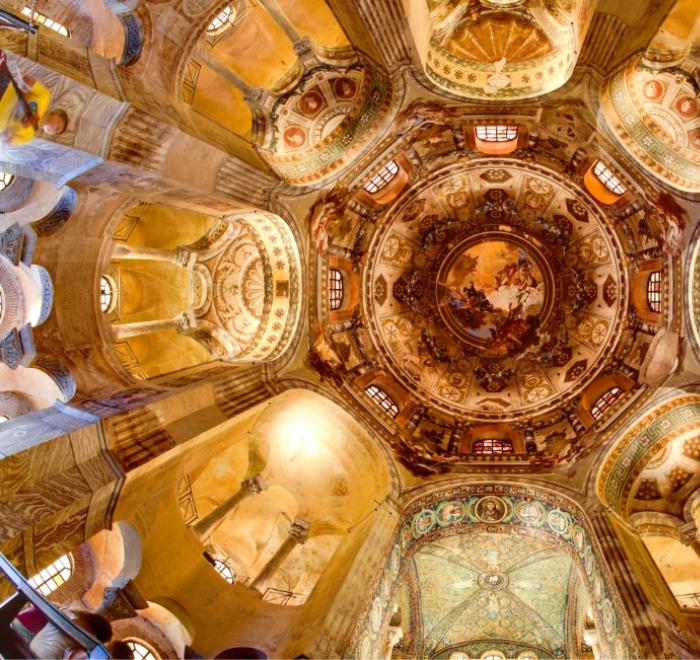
(486, 50)
(474, 291)
(469, 554)
(654, 114)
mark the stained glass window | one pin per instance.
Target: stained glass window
(382, 177)
(383, 400)
(496, 133)
(605, 401)
(53, 576)
(654, 291)
(608, 179)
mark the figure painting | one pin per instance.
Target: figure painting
(496, 291)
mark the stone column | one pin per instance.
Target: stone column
(181, 322)
(214, 518)
(298, 533)
(180, 256)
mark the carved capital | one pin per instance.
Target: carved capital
(255, 485)
(299, 531)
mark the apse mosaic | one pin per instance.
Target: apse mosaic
(491, 562)
(497, 305)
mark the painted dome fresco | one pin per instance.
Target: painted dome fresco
(491, 298)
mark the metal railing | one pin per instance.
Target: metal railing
(11, 645)
(283, 597)
(689, 600)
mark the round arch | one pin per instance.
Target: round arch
(516, 510)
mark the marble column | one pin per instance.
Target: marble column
(213, 519)
(180, 256)
(180, 323)
(298, 533)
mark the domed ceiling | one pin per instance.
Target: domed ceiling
(486, 290)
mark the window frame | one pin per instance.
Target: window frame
(108, 294)
(605, 401)
(222, 567)
(496, 132)
(336, 289)
(45, 581)
(224, 19)
(495, 446)
(608, 178)
(44, 21)
(382, 400)
(382, 177)
(6, 180)
(654, 289)
(150, 651)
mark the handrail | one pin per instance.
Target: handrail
(52, 613)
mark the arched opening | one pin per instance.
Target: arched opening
(141, 649)
(492, 446)
(382, 177)
(336, 289)
(382, 400)
(603, 183)
(54, 575)
(605, 401)
(496, 139)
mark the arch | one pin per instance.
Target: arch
(336, 289)
(653, 115)
(464, 49)
(496, 139)
(603, 183)
(515, 510)
(381, 399)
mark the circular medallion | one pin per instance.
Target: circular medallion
(558, 521)
(451, 512)
(531, 513)
(493, 581)
(491, 509)
(423, 522)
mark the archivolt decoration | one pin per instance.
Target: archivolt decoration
(499, 509)
(252, 310)
(500, 50)
(656, 117)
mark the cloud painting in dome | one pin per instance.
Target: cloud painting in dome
(495, 290)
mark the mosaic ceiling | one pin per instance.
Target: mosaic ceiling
(493, 587)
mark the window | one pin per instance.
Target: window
(225, 571)
(52, 577)
(654, 291)
(492, 446)
(4, 418)
(335, 288)
(383, 400)
(605, 401)
(141, 650)
(6, 180)
(222, 21)
(496, 133)
(107, 292)
(39, 18)
(382, 177)
(608, 179)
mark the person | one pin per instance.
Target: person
(52, 642)
(24, 106)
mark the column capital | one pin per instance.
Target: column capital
(299, 530)
(185, 257)
(185, 321)
(255, 485)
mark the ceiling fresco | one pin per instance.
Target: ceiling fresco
(497, 307)
(485, 586)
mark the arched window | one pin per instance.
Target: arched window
(605, 401)
(608, 179)
(654, 291)
(53, 576)
(497, 133)
(222, 21)
(383, 177)
(383, 400)
(493, 654)
(4, 418)
(107, 294)
(492, 446)
(141, 650)
(335, 288)
(6, 180)
(38, 17)
(224, 570)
